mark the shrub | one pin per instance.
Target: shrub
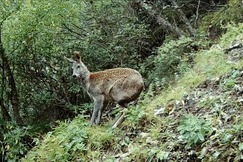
(193, 129)
(16, 142)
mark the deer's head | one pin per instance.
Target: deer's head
(79, 69)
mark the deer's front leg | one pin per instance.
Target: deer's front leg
(98, 119)
(98, 105)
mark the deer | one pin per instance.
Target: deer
(118, 85)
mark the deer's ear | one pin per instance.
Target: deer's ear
(68, 59)
(76, 55)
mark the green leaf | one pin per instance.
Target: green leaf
(227, 137)
(201, 137)
(240, 146)
(162, 155)
(216, 154)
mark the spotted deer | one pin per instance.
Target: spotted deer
(120, 85)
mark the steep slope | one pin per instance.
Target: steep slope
(199, 118)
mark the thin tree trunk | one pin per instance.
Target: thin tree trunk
(160, 20)
(12, 84)
(191, 30)
(14, 94)
(5, 114)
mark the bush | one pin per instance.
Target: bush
(16, 142)
(193, 129)
(64, 143)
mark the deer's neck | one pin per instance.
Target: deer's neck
(85, 76)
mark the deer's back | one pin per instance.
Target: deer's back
(115, 73)
(118, 79)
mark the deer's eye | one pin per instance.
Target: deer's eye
(78, 66)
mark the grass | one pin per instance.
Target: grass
(208, 64)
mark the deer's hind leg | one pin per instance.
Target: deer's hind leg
(123, 101)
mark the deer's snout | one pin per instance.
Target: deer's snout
(74, 76)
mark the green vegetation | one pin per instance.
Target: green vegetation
(17, 140)
(189, 53)
(215, 122)
(193, 129)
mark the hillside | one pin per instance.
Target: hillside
(198, 118)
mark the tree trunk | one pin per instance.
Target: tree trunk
(191, 30)
(12, 84)
(160, 20)
(5, 114)
(13, 93)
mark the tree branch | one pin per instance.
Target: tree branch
(76, 26)
(160, 20)
(120, 119)
(197, 12)
(72, 31)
